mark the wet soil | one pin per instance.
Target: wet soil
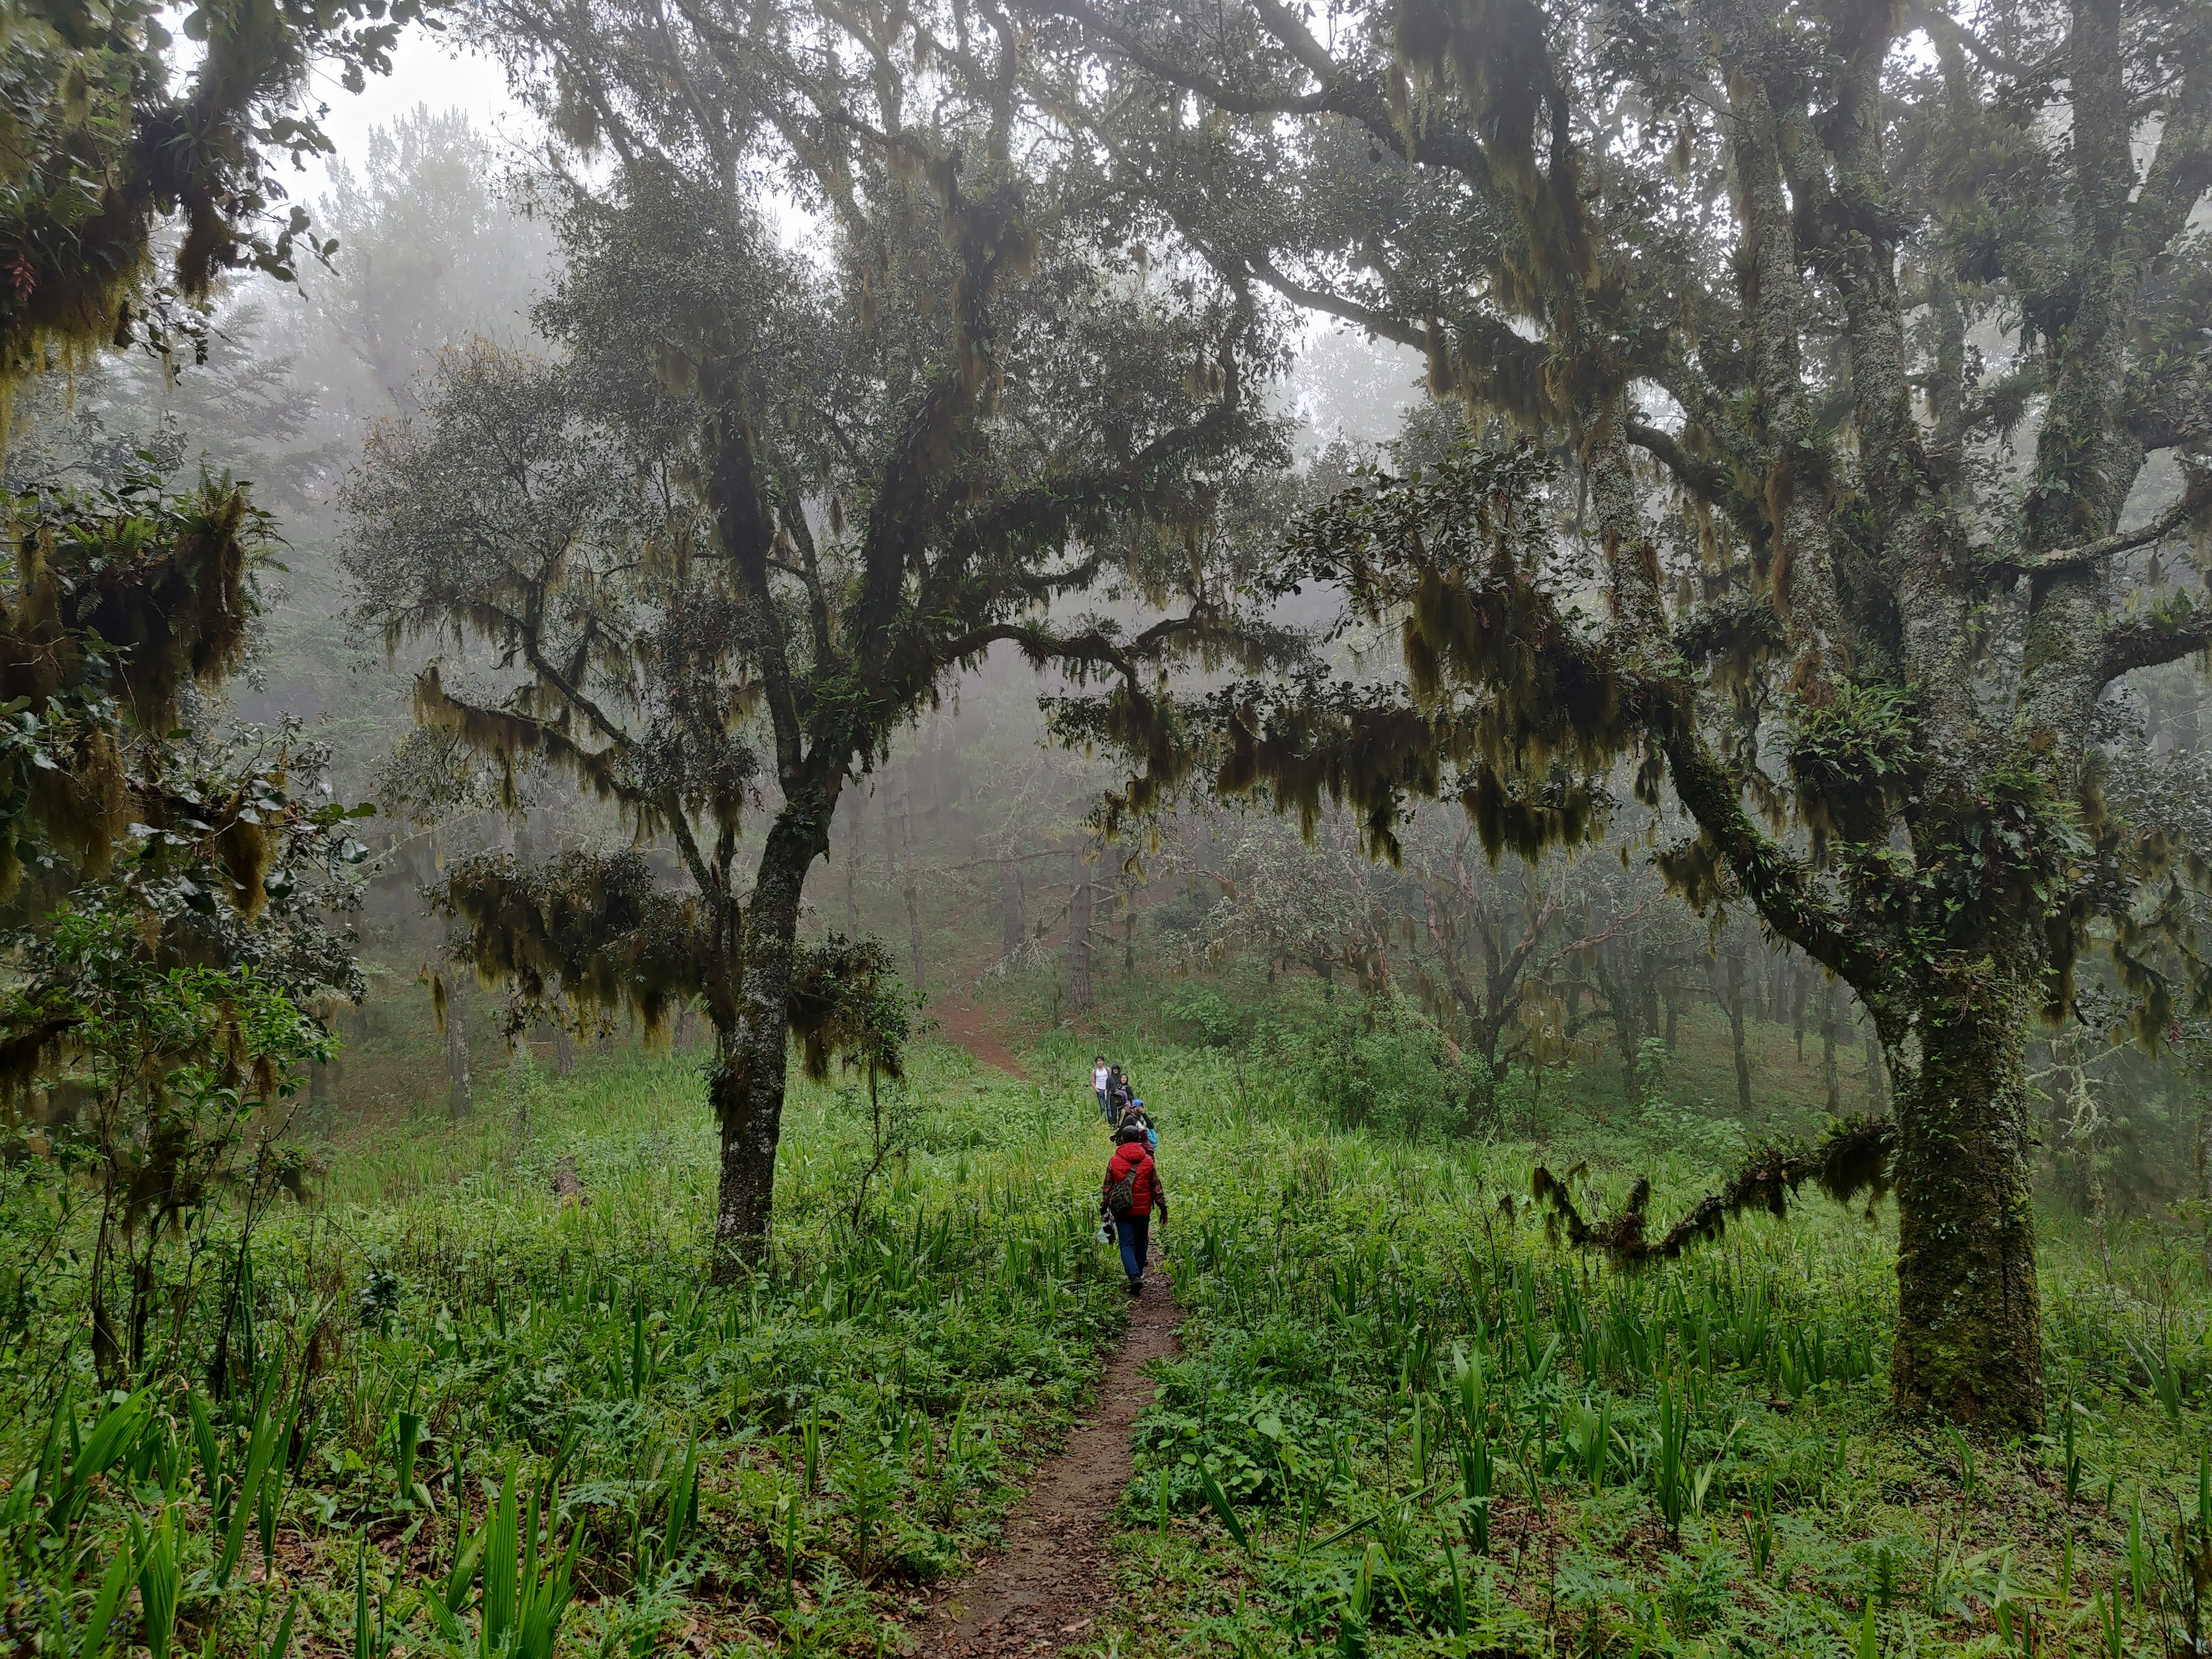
(1049, 1587)
(970, 1027)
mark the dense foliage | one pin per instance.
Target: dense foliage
(1408, 1421)
(463, 1392)
(117, 132)
(1874, 358)
(680, 515)
(764, 506)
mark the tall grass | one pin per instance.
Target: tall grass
(480, 1416)
(486, 1420)
(1695, 1458)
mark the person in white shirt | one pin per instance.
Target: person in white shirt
(1100, 1072)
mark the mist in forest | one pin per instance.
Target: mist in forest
(971, 845)
(766, 769)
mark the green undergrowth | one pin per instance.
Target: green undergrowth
(487, 1402)
(1407, 1421)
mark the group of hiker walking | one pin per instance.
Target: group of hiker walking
(1131, 1190)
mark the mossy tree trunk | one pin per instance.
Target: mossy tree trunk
(2204, 1173)
(1969, 1326)
(752, 1030)
(1936, 650)
(686, 639)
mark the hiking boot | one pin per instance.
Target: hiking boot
(1136, 1287)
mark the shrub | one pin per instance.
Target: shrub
(1377, 1063)
(1202, 1015)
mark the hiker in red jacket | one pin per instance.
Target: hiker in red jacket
(1131, 1192)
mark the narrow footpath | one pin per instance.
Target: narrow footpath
(1046, 1590)
(966, 1026)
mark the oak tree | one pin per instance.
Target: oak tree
(852, 386)
(1862, 347)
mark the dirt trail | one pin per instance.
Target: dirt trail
(1046, 1590)
(970, 1027)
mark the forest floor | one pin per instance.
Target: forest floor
(1049, 1587)
(1368, 1404)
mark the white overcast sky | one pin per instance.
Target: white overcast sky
(1345, 384)
(426, 68)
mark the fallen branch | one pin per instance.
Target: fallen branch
(1850, 1160)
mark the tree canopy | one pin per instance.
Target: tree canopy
(175, 893)
(106, 143)
(851, 388)
(1861, 371)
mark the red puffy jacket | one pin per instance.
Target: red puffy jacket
(1145, 1190)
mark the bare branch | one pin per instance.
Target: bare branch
(1440, 143)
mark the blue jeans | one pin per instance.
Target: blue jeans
(1105, 1110)
(1134, 1235)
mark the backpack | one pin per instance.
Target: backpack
(1121, 1195)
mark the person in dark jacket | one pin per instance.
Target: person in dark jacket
(1132, 1164)
(1135, 1117)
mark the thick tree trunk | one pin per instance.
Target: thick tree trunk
(1009, 907)
(2205, 1176)
(1079, 939)
(1969, 1322)
(752, 1039)
(1485, 1036)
